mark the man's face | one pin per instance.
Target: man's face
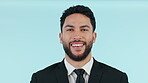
(77, 36)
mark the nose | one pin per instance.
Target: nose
(77, 35)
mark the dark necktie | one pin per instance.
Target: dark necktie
(79, 73)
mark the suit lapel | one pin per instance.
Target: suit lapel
(96, 73)
(62, 73)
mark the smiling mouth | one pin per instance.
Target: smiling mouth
(77, 45)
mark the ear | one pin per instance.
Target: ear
(94, 37)
(61, 36)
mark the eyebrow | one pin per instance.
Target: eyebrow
(69, 26)
(80, 26)
(85, 26)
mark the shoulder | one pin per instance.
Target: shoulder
(50, 70)
(107, 69)
(47, 74)
(110, 74)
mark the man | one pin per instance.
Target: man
(77, 36)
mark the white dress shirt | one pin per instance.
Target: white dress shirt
(72, 75)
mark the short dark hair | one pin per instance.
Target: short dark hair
(78, 9)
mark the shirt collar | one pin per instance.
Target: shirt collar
(69, 67)
(87, 67)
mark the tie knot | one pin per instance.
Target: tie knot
(79, 72)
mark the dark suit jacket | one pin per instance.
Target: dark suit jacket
(100, 73)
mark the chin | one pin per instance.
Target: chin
(78, 54)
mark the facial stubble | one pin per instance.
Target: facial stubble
(81, 56)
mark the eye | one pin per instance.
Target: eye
(69, 30)
(84, 30)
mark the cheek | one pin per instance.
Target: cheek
(65, 38)
(89, 37)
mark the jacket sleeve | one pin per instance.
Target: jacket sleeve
(124, 78)
(33, 79)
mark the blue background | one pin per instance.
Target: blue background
(29, 39)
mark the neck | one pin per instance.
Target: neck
(78, 64)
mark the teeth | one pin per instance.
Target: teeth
(77, 44)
